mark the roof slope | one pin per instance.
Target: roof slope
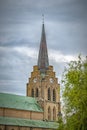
(19, 102)
(28, 123)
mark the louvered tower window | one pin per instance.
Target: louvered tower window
(54, 95)
(54, 113)
(49, 95)
(49, 113)
(32, 92)
(37, 93)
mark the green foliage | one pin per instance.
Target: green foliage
(61, 124)
(75, 95)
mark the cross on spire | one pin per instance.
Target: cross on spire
(43, 18)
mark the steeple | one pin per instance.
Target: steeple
(43, 61)
(43, 83)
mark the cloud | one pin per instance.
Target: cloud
(20, 33)
(30, 52)
(59, 57)
(33, 53)
(13, 86)
(66, 21)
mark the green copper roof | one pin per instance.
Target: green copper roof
(19, 102)
(28, 123)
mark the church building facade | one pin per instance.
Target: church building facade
(43, 83)
(39, 109)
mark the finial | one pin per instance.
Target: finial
(43, 18)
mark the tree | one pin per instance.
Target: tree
(75, 95)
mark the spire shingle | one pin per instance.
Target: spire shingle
(43, 61)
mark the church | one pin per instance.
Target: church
(39, 109)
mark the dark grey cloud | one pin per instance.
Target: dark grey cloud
(14, 71)
(15, 43)
(22, 12)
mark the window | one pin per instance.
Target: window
(58, 106)
(49, 95)
(49, 113)
(32, 93)
(54, 113)
(37, 93)
(54, 95)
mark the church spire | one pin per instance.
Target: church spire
(43, 61)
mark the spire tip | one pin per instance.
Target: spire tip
(43, 18)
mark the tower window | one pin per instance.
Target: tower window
(58, 106)
(32, 93)
(54, 95)
(49, 95)
(37, 93)
(54, 113)
(49, 113)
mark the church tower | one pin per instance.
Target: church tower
(43, 84)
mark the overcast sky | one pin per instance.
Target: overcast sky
(20, 34)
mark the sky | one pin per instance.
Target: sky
(20, 33)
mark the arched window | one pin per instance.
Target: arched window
(32, 92)
(49, 95)
(37, 93)
(54, 113)
(59, 106)
(54, 95)
(49, 113)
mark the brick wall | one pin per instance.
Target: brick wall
(21, 114)
(4, 127)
